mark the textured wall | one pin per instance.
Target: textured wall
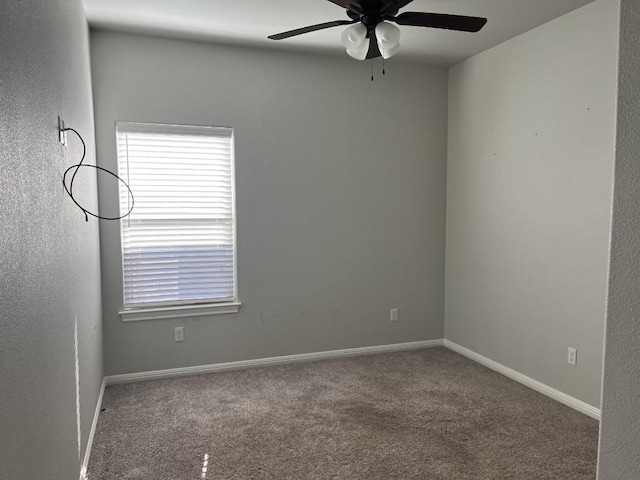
(340, 187)
(531, 147)
(620, 433)
(49, 257)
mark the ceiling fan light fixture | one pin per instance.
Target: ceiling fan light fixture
(368, 22)
(354, 36)
(360, 53)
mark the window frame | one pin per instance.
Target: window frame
(183, 308)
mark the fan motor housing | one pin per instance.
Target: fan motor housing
(370, 18)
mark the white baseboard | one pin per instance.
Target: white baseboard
(263, 362)
(540, 387)
(92, 432)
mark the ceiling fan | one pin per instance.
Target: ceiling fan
(371, 35)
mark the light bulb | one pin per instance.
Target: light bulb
(360, 52)
(354, 36)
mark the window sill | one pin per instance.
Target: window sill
(181, 311)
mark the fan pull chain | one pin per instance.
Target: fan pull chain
(384, 71)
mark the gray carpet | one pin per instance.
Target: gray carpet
(427, 414)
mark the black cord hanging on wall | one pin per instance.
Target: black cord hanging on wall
(68, 187)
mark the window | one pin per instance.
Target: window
(178, 244)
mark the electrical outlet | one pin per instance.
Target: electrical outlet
(572, 356)
(394, 315)
(179, 334)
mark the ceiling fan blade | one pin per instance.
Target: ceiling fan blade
(391, 7)
(441, 20)
(311, 28)
(342, 3)
(354, 7)
(374, 50)
(402, 3)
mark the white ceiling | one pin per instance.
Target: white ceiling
(249, 22)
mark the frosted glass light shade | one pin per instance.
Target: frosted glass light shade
(354, 36)
(388, 34)
(388, 39)
(389, 52)
(360, 53)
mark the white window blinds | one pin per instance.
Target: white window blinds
(178, 244)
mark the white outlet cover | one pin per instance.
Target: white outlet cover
(179, 334)
(572, 356)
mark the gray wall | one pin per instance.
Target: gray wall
(620, 433)
(531, 147)
(340, 189)
(49, 256)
